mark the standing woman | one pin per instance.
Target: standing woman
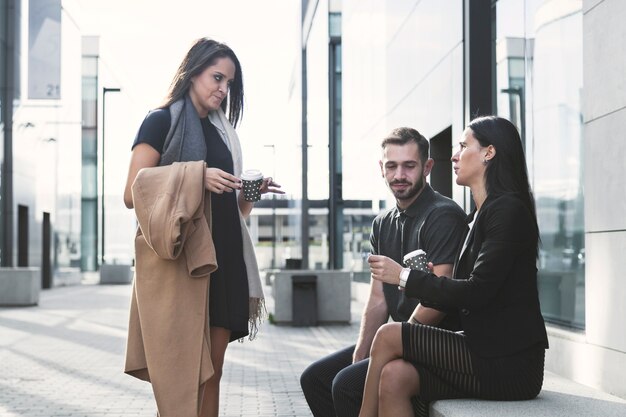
(500, 353)
(191, 125)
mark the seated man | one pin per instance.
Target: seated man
(421, 219)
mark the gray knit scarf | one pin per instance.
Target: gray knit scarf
(185, 142)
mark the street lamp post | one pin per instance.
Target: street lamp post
(105, 90)
(273, 265)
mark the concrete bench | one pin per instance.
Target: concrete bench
(559, 397)
(19, 286)
(333, 295)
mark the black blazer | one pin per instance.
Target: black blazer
(494, 283)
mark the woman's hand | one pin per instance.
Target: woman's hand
(384, 269)
(269, 186)
(218, 181)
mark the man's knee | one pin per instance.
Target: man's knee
(343, 384)
(310, 377)
(321, 373)
(348, 388)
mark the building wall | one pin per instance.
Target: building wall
(45, 142)
(3, 100)
(46, 146)
(364, 100)
(403, 65)
(598, 357)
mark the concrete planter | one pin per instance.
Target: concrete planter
(67, 276)
(20, 286)
(116, 274)
(333, 295)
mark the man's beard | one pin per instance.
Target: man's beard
(409, 193)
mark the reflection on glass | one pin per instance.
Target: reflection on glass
(539, 78)
(318, 135)
(358, 217)
(3, 66)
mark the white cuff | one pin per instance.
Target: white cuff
(404, 275)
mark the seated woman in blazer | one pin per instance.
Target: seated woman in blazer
(500, 352)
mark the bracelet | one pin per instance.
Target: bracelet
(404, 275)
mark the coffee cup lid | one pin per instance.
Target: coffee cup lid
(412, 254)
(251, 175)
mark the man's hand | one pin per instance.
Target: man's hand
(375, 314)
(360, 353)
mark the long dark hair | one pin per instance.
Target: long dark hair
(202, 54)
(506, 172)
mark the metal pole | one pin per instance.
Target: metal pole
(304, 226)
(519, 93)
(105, 90)
(273, 209)
(273, 265)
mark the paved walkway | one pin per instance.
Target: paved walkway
(65, 358)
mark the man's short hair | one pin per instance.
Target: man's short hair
(404, 135)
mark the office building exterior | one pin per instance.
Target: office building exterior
(40, 136)
(51, 142)
(554, 68)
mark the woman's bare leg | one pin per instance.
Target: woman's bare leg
(211, 400)
(399, 381)
(386, 347)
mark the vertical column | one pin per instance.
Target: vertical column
(89, 193)
(335, 194)
(9, 52)
(479, 58)
(304, 226)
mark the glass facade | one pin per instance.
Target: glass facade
(413, 63)
(89, 195)
(318, 131)
(335, 201)
(338, 229)
(547, 110)
(38, 180)
(3, 48)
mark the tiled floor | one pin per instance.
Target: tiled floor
(65, 358)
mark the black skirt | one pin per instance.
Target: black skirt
(449, 369)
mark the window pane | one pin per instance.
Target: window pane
(547, 110)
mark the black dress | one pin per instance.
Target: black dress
(228, 293)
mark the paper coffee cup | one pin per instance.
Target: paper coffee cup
(251, 181)
(416, 260)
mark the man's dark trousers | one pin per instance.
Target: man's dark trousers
(346, 379)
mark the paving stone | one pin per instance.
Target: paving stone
(65, 357)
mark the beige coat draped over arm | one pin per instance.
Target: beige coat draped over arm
(168, 338)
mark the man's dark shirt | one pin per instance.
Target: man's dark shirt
(433, 223)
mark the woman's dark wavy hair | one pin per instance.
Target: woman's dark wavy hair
(203, 53)
(506, 172)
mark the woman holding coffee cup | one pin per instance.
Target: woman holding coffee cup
(192, 125)
(499, 355)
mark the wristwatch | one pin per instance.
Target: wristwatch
(404, 275)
